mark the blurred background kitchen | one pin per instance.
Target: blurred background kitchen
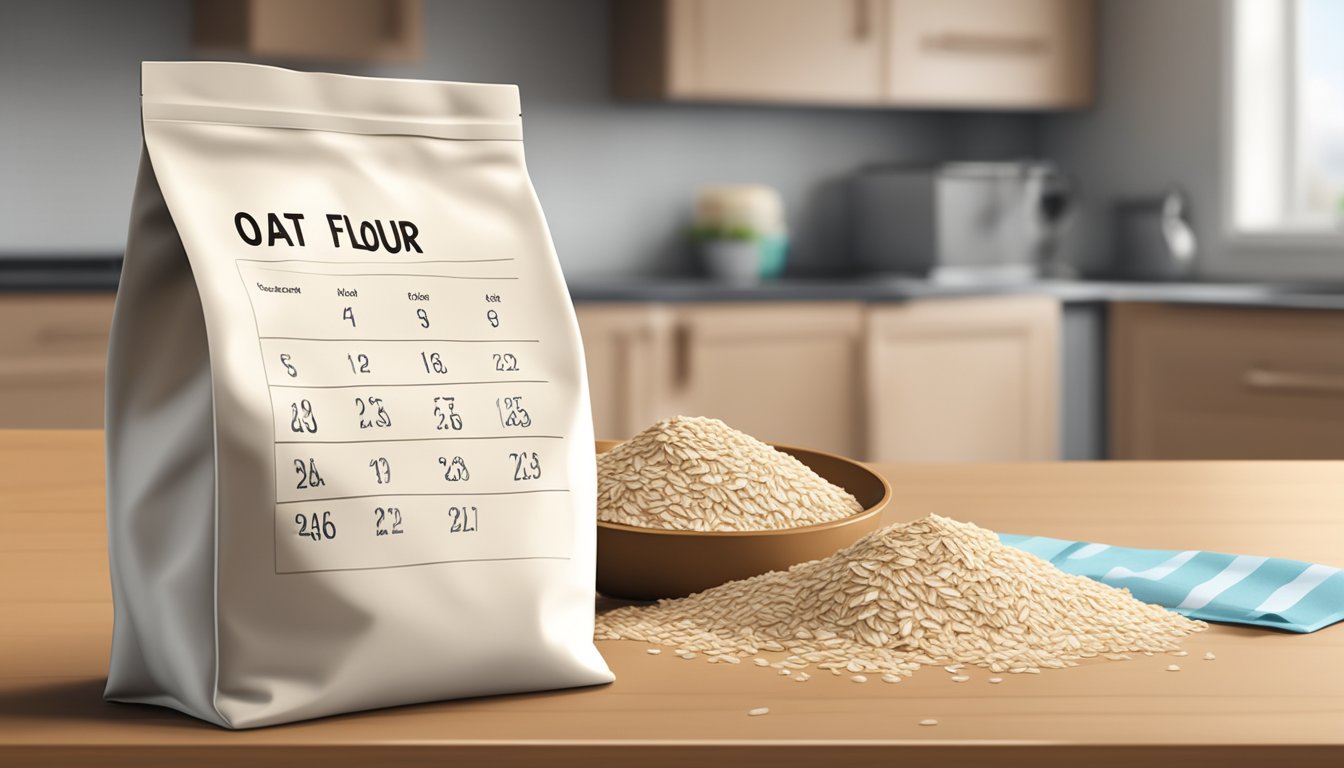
(927, 230)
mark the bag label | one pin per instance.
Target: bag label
(407, 408)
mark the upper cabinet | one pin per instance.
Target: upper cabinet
(1000, 54)
(748, 50)
(322, 30)
(970, 54)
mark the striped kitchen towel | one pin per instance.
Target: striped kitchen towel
(1237, 589)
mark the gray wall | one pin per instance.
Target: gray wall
(616, 179)
(1159, 121)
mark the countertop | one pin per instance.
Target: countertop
(100, 273)
(895, 289)
(1268, 698)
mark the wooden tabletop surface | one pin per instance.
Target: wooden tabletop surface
(1268, 697)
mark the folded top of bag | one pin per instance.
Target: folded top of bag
(252, 94)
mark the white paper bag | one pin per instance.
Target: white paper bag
(350, 452)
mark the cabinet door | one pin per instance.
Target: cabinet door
(323, 30)
(990, 53)
(781, 372)
(1196, 382)
(53, 360)
(626, 350)
(963, 380)
(783, 50)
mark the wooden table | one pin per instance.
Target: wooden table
(1268, 698)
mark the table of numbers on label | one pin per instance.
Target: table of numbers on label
(411, 419)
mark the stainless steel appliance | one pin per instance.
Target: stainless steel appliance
(961, 222)
(1154, 239)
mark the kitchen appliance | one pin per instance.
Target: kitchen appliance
(1154, 238)
(961, 222)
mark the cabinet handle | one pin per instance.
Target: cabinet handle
(1299, 381)
(681, 356)
(862, 20)
(394, 22)
(985, 43)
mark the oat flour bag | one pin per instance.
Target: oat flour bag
(350, 456)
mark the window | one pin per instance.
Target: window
(1287, 89)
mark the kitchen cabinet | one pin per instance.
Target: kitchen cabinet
(936, 380)
(972, 54)
(770, 50)
(784, 372)
(973, 379)
(1001, 54)
(1204, 382)
(326, 30)
(54, 353)
(626, 347)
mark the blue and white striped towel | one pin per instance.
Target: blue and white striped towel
(1237, 589)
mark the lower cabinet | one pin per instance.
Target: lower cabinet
(626, 346)
(783, 372)
(53, 352)
(937, 380)
(963, 380)
(1204, 382)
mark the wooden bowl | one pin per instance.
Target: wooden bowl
(648, 564)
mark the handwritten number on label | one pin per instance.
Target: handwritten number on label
(301, 418)
(349, 314)
(358, 363)
(526, 466)
(464, 519)
(493, 317)
(456, 469)
(289, 367)
(382, 470)
(506, 362)
(424, 317)
(314, 528)
(433, 362)
(443, 410)
(512, 413)
(308, 475)
(387, 522)
(371, 413)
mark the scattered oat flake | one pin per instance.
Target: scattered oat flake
(1209, 656)
(960, 678)
(859, 678)
(1173, 667)
(786, 672)
(1180, 653)
(802, 676)
(757, 712)
(890, 678)
(996, 680)
(930, 721)
(761, 662)
(654, 651)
